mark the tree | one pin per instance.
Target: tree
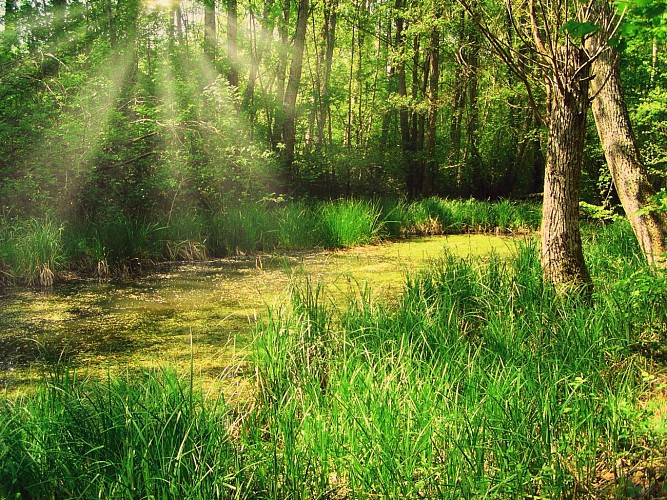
(232, 48)
(292, 89)
(210, 36)
(620, 148)
(556, 32)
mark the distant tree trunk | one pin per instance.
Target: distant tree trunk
(404, 114)
(292, 90)
(392, 88)
(561, 252)
(458, 105)
(112, 25)
(431, 128)
(281, 67)
(179, 22)
(9, 9)
(232, 46)
(348, 129)
(257, 49)
(329, 33)
(472, 161)
(622, 154)
(209, 28)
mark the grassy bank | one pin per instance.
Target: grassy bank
(37, 251)
(479, 382)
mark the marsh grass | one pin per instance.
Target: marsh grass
(482, 382)
(479, 382)
(31, 249)
(345, 223)
(131, 436)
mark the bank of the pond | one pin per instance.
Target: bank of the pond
(42, 251)
(476, 381)
(142, 322)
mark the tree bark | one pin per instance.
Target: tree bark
(329, 34)
(622, 154)
(431, 128)
(209, 28)
(281, 67)
(292, 90)
(232, 45)
(561, 252)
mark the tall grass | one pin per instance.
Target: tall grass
(31, 249)
(345, 223)
(131, 437)
(480, 382)
(34, 250)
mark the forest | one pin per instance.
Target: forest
(333, 248)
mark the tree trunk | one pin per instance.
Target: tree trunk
(622, 154)
(209, 28)
(283, 53)
(292, 90)
(113, 39)
(472, 160)
(329, 34)
(431, 128)
(232, 48)
(561, 253)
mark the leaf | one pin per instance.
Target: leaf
(580, 30)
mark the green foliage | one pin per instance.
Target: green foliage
(481, 382)
(33, 250)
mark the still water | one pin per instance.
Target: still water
(199, 315)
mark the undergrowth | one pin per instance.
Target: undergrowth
(480, 382)
(36, 251)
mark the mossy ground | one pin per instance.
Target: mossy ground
(205, 312)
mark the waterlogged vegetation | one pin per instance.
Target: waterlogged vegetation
(152, 319)
(477, 380)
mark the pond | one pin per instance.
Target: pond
(199, 315)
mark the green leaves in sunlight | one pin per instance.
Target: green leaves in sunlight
(578, 29)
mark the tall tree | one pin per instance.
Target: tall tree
(329, 35)
(210, 34)
(620, 147)
(557, 30)
(433, 104)
(292, 89)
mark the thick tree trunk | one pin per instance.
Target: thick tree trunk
(622, 154)
(292, 90)
(561, 253)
